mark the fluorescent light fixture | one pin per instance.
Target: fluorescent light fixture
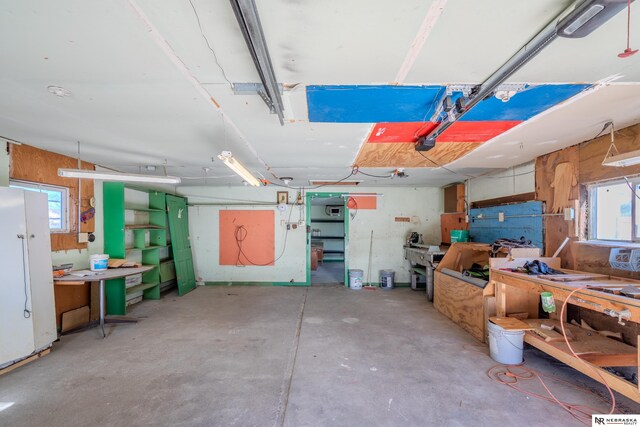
(622, 160)
(587, 16)
(582, 19)
(116, 176)
(239, 168)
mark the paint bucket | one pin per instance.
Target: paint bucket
(386, 279)
(355, 279)
(505, 346)
(99, 262)
(459, 236)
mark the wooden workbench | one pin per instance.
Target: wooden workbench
(598, 350)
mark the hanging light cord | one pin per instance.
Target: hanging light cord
(628, 24)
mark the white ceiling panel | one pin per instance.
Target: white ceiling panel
(140, 95)
(340, 42)
(568, 124)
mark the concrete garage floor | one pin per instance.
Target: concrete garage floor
(224, 356)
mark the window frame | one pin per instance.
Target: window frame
(635, 208)
(64, 200)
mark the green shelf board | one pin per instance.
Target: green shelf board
(327, 220)
(142, 209)
(143, 227)
(146, 248)
(141, 287)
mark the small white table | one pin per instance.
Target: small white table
(101, 277)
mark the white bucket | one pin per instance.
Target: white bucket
(355, 279)
(505, 346)
(99, 262)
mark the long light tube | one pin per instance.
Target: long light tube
(116, 176)
(623, 160)
(239, 168)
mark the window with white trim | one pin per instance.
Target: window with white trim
(614, 208)
(58, 200)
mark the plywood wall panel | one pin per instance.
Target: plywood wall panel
(35, 165)
(586, 162)
(452, 221)
(404, 155)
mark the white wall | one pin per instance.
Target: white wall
(205, 236)
(516, 180)
(423, 203)
(389, 236)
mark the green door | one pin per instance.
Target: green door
(180, 243)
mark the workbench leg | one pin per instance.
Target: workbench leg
(102, 307)
(501, 299)
(559, 310)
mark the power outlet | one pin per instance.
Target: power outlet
(83, 237)
(500, 216)
(569, 214)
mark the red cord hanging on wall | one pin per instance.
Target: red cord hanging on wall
(628, 51)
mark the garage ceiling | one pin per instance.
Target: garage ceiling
(146, 89)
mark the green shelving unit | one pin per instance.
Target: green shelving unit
(148, 239)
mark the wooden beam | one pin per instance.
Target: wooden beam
(24, 361)
(507, 200)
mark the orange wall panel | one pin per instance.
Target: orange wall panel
(363, 202)
(247, 237)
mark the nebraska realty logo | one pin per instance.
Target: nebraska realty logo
(615, 420)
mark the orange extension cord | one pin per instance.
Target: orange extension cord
(511, 375)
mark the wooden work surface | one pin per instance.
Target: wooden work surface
(112, 273)
(588, 298)
(584, 341)
(593, 349)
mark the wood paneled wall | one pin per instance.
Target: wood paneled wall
(36, 165)
(584, 161)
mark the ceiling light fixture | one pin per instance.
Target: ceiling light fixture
(59, 91)
(247, 15)
(117, 176)
(237, 167)
(286, 179)
(622, 160)
(615, 159)
(580, 20)
(587, 16)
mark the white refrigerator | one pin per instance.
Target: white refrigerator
(27, 307)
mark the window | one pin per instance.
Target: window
(58, 203)
(615, 210)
